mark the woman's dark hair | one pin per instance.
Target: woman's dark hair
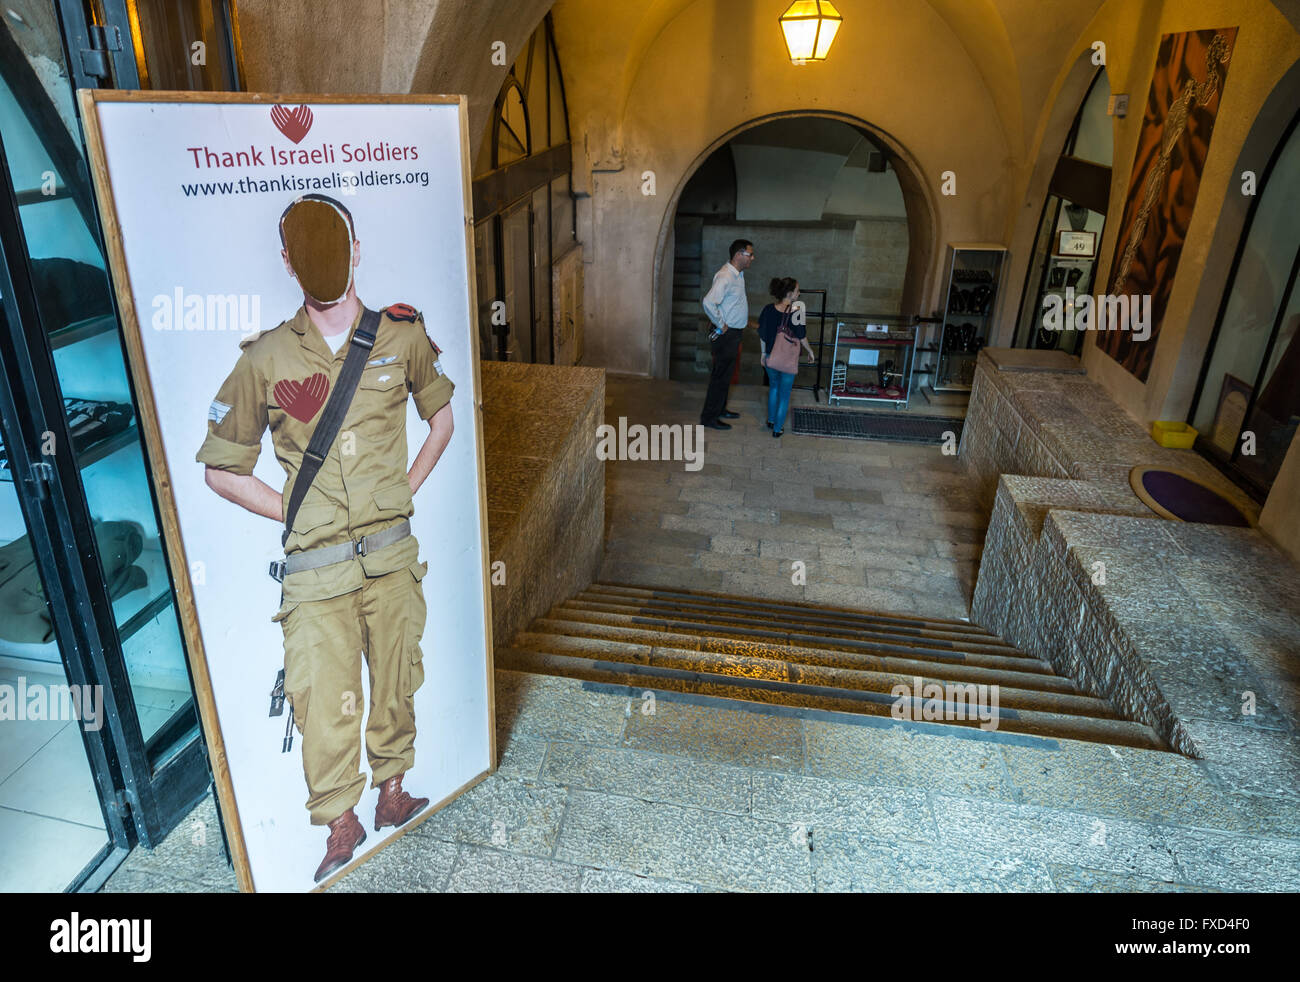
(782, 285)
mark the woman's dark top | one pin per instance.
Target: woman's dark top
(769, 322)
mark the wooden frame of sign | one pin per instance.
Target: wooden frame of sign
(88, 102)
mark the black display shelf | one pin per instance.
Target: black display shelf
(81, 330)
(160, 602)
(109, 445)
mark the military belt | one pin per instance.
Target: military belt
(328, 555)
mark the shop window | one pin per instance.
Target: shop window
(185, 44)
(523, 206)
(1063, 261)
(1247, 405)
(79, 524)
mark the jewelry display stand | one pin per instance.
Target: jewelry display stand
(970, 297)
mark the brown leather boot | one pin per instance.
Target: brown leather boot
(346, 834)
(396, 807)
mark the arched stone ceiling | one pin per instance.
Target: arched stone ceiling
(1016, 45)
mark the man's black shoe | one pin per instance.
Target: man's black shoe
(716, 425)
(728, 414)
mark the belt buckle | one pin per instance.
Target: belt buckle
(278, 570)
(361, 548)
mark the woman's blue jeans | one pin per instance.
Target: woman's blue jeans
(778, 397)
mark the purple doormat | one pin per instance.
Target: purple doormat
(1183, 498)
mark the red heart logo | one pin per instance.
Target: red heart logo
(302, 398)
(293, 124)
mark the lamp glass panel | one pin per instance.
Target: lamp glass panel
(800, 38)
(824, 39)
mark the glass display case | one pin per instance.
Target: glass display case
(873, 360)
(86, 593)
(972, 279)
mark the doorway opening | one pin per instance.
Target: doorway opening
(826, 199)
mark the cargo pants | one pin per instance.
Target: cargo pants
(324, 643)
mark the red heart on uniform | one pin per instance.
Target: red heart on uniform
(293, 124)
(302, 398)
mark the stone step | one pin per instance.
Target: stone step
(631, 590)
(704, 620)
(904, 648)
(809, 698)
(757, 666)
(790, 611)
(895, 661)
(952, 399)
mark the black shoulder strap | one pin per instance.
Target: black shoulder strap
(331, 417)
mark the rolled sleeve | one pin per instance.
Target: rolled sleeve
(433, 397)
(237, 418)
(430, 387)
(226, 455)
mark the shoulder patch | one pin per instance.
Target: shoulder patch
(402, 312)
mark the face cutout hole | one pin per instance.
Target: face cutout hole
(318, 240)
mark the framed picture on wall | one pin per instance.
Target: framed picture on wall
(1230, 414)
(316, 449)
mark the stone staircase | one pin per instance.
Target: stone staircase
(689, 353)
(820, 661)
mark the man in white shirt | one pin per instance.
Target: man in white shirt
(727, 307)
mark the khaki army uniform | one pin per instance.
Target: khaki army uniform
(371, 604)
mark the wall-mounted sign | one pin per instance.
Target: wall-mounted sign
(304, 236)
(1081, 245)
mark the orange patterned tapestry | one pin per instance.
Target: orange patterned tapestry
(1181, 107)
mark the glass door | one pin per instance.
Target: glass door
(56, 830)
(517, 273)
(110, 582)
(1247, 408)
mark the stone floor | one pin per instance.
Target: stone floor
(877, 525)
(594, 793)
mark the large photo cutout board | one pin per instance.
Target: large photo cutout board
(288, 266)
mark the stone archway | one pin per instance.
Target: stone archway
(918, 200)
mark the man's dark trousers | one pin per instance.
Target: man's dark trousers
(725, 351)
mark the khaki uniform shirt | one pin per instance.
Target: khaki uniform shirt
(282, 380)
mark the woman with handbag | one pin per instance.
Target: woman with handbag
(781, 338)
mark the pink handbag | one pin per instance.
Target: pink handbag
(784, 356)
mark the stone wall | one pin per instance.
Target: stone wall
(1189, 628)
(1035, 592)
(1035, 413)
(545, 486)
(861, 266)
(1173, 622)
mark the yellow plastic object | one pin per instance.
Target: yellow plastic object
(1167, 433)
